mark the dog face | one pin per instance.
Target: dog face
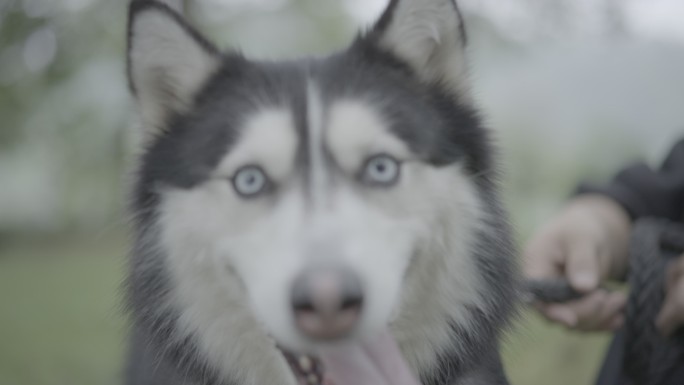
(362, 166)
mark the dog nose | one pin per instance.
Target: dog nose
(326, 302)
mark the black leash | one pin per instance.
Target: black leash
(649, 358)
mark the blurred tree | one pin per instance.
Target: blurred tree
(64, 107)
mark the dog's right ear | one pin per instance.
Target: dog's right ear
(429, 36)
(168, 61)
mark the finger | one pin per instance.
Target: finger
(582, 266)
(674, 271)
(671, 316)
(590, 310)
(598, 312)
(611, 313)
(542, 257)
(613, 324)
(561, 314)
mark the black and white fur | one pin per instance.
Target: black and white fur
(210, 269)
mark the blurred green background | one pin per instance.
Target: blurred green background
(572, 89)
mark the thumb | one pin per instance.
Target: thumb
(582, 267)
(541, 257)
(671, 316)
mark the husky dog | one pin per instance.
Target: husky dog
(291, 206)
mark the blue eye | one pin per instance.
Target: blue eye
(250, 181)
(381, 170)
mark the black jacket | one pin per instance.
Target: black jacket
(647, 192)
(644, 192)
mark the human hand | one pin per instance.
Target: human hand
(671, 315)
(586, 243)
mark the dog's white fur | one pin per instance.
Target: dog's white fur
(232, 261)
(357, 132)
(268, 139)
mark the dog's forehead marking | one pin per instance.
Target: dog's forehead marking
(315, 131)
(268, 139)
(356, 130)
(342, 130)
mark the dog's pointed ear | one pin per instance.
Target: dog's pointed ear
(168, 61)
(429, 36)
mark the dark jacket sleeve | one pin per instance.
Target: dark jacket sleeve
(647, 192)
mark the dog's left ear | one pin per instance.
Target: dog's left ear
(168, 61)
(429, 36)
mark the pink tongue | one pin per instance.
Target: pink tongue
(374, 362)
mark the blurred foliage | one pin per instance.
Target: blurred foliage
(62, 141)
(64, 325)
(66, 111)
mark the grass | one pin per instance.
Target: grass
(538, 353)
(60, 322)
